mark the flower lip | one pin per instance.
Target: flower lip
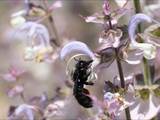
(135, 20)
(149, 50)
(74, 47)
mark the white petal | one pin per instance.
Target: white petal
(17, 21)
(19, 13)
(75, 46)
(133, 62)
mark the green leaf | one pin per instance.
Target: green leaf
(156, 32)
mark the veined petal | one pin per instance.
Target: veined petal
(75, 46)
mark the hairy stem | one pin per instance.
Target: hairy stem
(120, 70)
(146, 67)
(52, 24)
(121, 75)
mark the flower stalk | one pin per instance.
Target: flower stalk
(52, 24)
(121, 75)
(146, 67)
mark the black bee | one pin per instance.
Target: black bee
(80, 77)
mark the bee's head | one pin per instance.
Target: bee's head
(83, 64)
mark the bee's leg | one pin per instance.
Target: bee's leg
(89, 83)
(85, 91)
(88, 74)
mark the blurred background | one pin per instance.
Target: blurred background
(47, 77)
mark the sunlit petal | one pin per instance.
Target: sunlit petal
(75, 46)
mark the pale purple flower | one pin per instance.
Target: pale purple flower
(114, 103)
(23, 111)
(15, 91)
(148, 49)
(100, 17)
(13, 74)
(106, 7)
(38, 46)
(147, 109)
(54, 109)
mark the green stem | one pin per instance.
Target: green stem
(146, 72)
(146, 67)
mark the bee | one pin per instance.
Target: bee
(80, 77)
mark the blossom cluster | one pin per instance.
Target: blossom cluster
(122, 97)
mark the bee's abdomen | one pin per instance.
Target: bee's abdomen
(81, 97)
(84, 100)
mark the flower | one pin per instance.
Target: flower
(38, 46)
(23, 111)
(75, 46)
(102, 16)
(78, 50)
(145, 109)
(111, 38)
(15, 91)
(13, 74)
(112, 105)
(32, 10)
(148, 49)
(54, 109)
(115, 103)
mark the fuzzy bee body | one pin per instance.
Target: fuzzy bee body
(80, 77)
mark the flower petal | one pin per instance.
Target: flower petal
(95, 18)
(38, 31)
(135, 20)
(56, 4)
(149, 50)
(9, 77)
(146, 110)
(133, 62)
(16, 90)
(17, 21)
(27, 109)
(75, 46)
